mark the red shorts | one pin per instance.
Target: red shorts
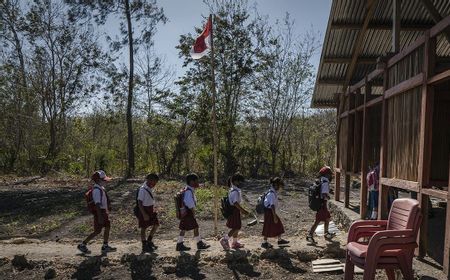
(234, 221)
(323, 214)
(153, 217)
(270, 228)
(188, 222)
(106, 222)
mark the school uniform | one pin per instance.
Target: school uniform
(188, 222)
(234, 196)
(270, 228)
(146, 196)
(323, 214)
(99, 196)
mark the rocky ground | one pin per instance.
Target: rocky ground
(42, 220)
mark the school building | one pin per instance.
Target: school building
(385, 68)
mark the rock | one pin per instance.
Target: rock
(20, 262)
(169, 269)
(50, 274)
(3, 261)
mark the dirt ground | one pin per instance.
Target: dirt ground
(42, 220)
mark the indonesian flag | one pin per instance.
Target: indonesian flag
(202, 44)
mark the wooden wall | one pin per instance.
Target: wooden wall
(402, 137)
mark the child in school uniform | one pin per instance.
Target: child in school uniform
(147, 215)
(188, 222)
(234, 222)
(101, 214)
(323, 215)
(273, 227)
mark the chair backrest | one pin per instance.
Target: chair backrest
(405, 214)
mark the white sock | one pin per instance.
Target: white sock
(180, 239)
(226, 237)
(198, 238)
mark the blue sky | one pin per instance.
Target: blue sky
(184, 15)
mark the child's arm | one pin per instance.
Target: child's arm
(238, 206)
(141, 208)
(275, 216)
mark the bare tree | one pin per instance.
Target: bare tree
(286, 83)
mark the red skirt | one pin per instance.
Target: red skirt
(153, 217)
(271, 229)
(106, 223)
(234, 221)
(188, 222)
(323, 214)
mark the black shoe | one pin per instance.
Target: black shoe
(152, 245)
(282, 242)
(181, 247)
(83, 248)
(266, 245)
(310, 239)
(202, 245)
(329, 236)
(147, 248)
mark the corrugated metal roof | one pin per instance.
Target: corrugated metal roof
(344, 24)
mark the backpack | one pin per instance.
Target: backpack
(259, 208)
(90, 200)
(225, 206)
(136, 207)
(180, 209)
(314, 196)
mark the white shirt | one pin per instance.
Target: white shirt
(99, 196)
(234, 195)
(271, 199)
(145, 197)
(325, 187)
(189, 199)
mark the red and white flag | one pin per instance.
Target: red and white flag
(202, 44)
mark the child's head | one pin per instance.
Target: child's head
(237, 179)
(99, 177)
(277, 183)
(151, 180)
(326, 172)
(192, 180)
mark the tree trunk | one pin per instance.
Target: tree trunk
(129, 117)
(230, 166)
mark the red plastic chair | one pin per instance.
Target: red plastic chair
(390, 245)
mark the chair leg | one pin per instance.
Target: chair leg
(349, 269)
(406, 267)
(390, 274)
(369, 271)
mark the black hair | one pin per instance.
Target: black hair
(236, 177)
(152, 176)
(275, 181)
(191, 177)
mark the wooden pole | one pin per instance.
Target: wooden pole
(425, 139)
(396, 17)
(214, 124)
(364, 149)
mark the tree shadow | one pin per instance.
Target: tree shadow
(88, 268)
(187, 266)
(282, 258)
(238, 263)
(141, 267)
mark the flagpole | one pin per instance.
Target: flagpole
(214, 124)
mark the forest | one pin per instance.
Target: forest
(77, 96)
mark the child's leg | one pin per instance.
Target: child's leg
(91, 236)
(181, 237)
(325, 227)
(196, 232)
(106, 234)
(143, 230)
(152, 232)
(235, 234)
(313, 228)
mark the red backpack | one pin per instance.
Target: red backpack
(90, 200)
